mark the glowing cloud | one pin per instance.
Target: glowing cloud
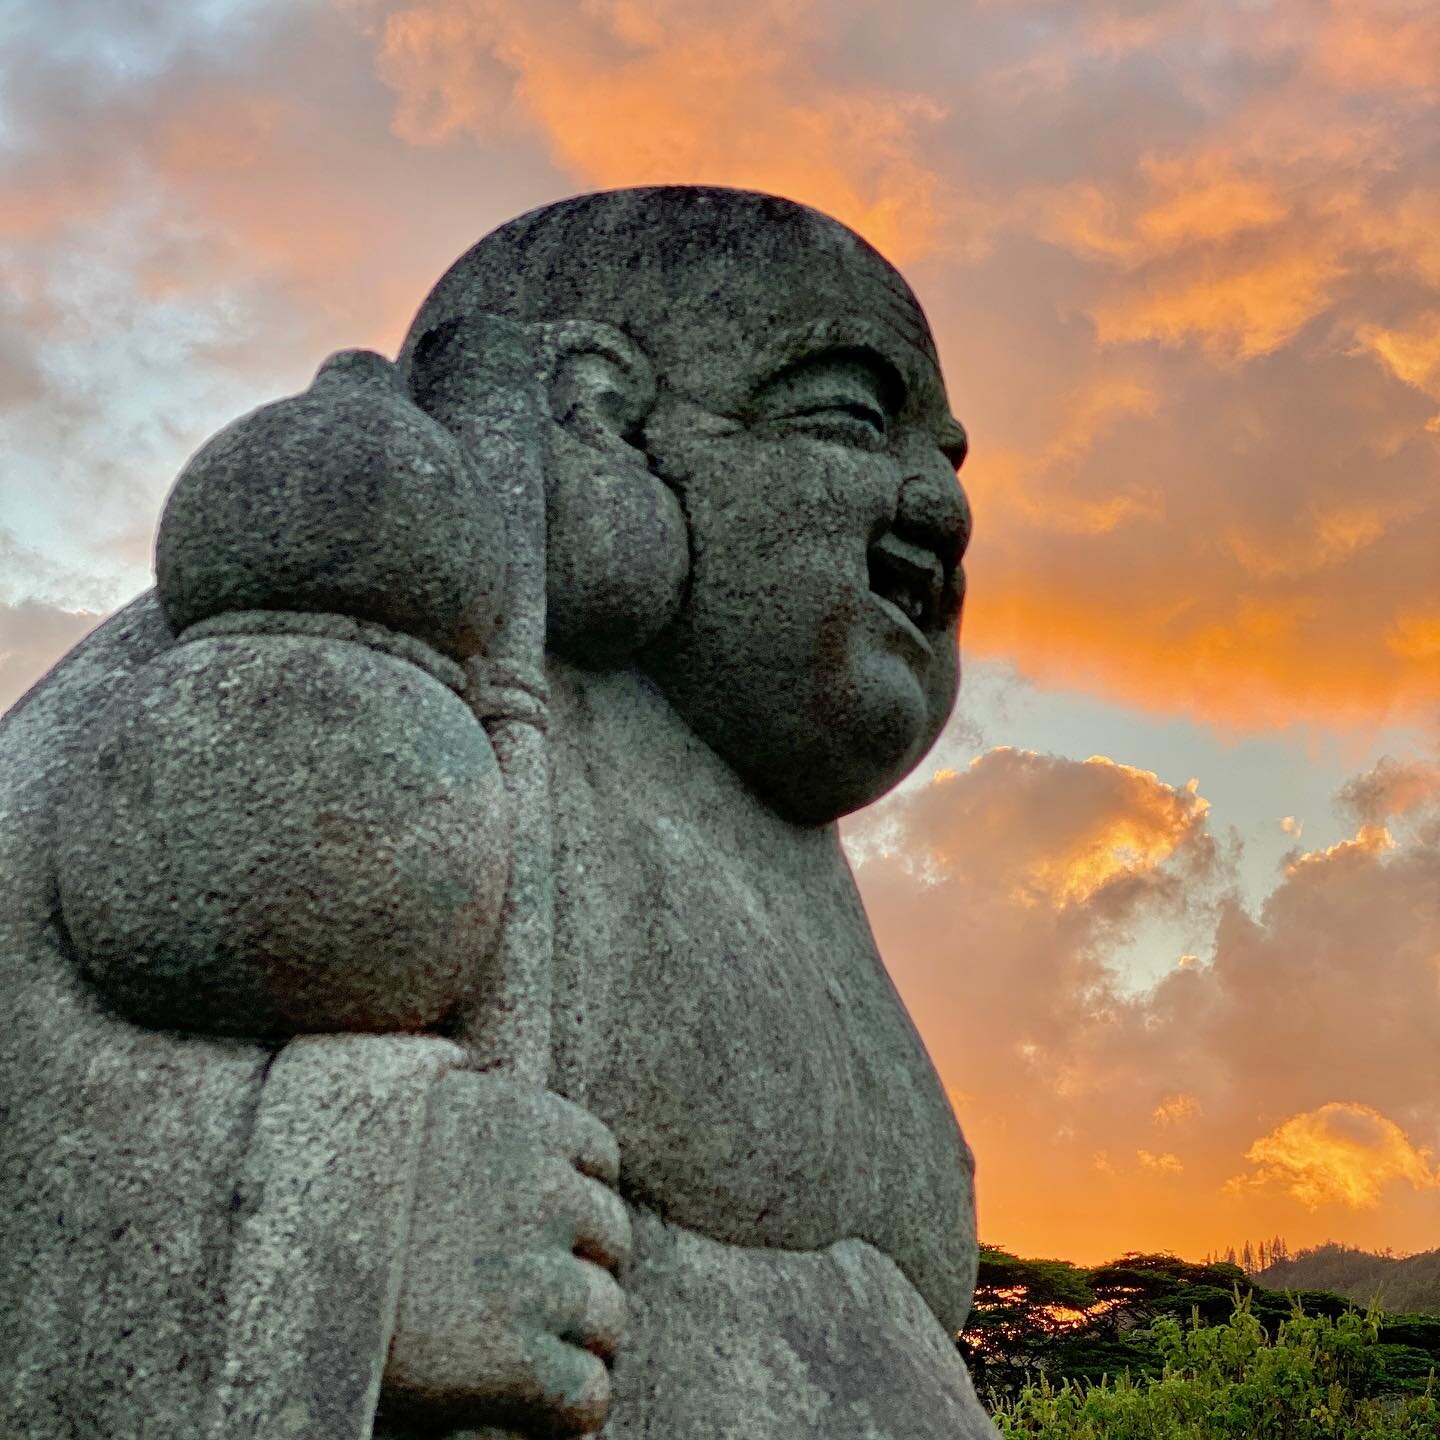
(1014, 987)
(1411, 354)
(1237, 313)
(1175, 1110)
(1339, 1154)
(1163, 1164)
(668, 91)
(1072, 829)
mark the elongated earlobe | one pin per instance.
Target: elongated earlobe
(619, 553)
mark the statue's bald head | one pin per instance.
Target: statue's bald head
(695, 275)
(744, 384)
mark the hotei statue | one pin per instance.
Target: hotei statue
(439, 1001)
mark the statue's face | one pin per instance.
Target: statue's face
(817, 648)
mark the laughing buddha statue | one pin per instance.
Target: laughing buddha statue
(440, 1005)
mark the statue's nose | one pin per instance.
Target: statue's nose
(932, 511)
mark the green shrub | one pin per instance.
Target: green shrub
(1317, 1378)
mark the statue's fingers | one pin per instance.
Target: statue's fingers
(593, 1310)
(602, 1223)
(584, 1141)
(572, 1386)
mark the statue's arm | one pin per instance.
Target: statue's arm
(291, 821)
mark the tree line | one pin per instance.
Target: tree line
(1049, 1321)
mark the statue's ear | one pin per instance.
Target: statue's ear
(618, 551)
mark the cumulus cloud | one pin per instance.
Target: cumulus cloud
(1392, 789)
(1339, 1154)
(1295, 1058)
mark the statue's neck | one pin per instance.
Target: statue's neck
(616, 732)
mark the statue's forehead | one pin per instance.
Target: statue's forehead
(774, 314)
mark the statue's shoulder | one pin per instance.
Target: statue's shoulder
(38, 734)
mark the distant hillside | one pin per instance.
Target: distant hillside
(1404, 1287)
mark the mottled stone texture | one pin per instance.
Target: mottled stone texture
(291, 918)
(255, 846)
(367, 508)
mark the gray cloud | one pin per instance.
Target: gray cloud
(1006, 889)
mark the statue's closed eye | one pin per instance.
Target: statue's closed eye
(852, 421)
(834, 399)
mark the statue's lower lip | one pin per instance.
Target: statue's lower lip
(898, 617)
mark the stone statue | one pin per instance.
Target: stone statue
(439, 1004)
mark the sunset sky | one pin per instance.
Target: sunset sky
(1165, 900)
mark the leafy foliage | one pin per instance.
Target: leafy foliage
(1050, 1320)
(1319, 1377)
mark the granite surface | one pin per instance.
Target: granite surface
(440, 1000)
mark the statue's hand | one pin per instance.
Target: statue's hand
(509, 1308)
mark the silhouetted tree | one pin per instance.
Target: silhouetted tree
(1051, 1319)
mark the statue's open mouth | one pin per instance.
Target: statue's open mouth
(908, 579)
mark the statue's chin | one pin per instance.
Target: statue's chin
(844, 750)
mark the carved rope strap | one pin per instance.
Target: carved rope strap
(500, 694)
(321, 625)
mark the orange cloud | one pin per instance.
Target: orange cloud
(1338, 1154)
(1237, 312)
(1368, 840)
(667, 91)
(1265, 522)
(1384, 45)
(1044, 483)
(1415, 635)
(1323, 538)
(1203, 206)
(1164, 1164)
(1074, 828)
(1175, 1109)
(1010, 986)
(1411, 354)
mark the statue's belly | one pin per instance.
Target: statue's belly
(724, 1075)
(760, 1074)
(765, 1344)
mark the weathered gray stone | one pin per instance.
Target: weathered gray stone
(255, 846)
(346, 499)
(748, 543)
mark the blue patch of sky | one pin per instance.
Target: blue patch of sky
(1251, 782)
(131, 42)
(131, 383)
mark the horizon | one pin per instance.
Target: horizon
(1214, 1257)
(1164, 901)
